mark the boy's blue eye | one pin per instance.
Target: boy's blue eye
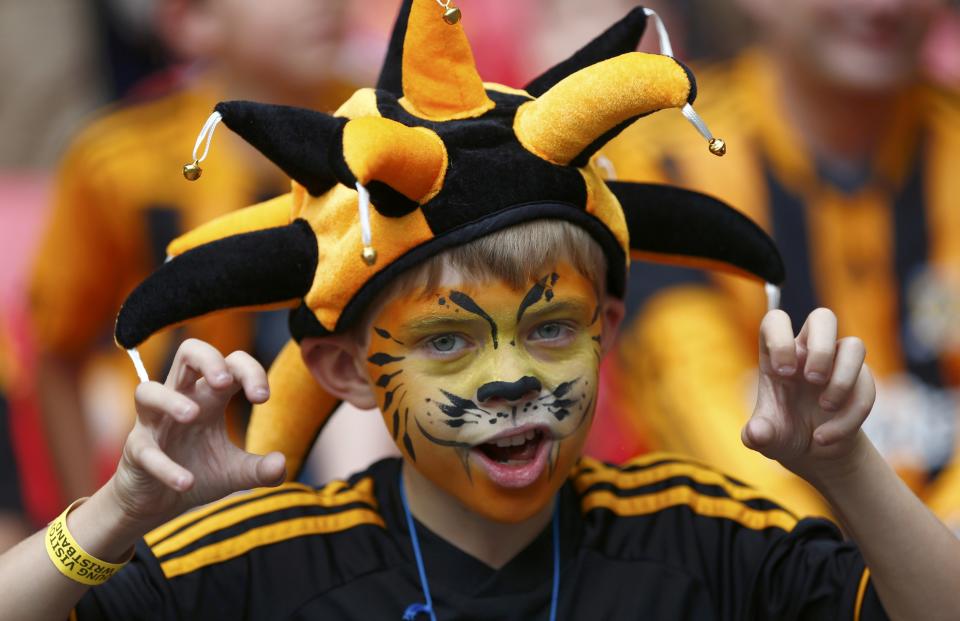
(446, 343)
(549, 331)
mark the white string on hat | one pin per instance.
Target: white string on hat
(717, 145)
(366, 234)
(138, 364)
(192, 170)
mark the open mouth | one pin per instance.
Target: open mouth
(513, 450)
(516, 460)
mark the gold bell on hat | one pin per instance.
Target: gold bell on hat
(192, 171)
(718, 147)
(452, 15)
(369, 255)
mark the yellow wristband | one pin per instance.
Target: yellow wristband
(73, 561)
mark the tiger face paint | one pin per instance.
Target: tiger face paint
(489, 391)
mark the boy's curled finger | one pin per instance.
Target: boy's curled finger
(159, 465)
(778, 350)
(849, 420)
(196, 359)
(156, 401)
(819, 337)
(250, 375)
(846, 369)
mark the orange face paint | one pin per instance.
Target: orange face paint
(489, 391)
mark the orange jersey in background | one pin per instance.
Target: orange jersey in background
(119, 198)
(881, 247)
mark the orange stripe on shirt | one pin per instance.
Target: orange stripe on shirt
(167, 529)
(361, 492)
(266, 535)
(683, 496)
(861, 592)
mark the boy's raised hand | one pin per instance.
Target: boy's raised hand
(814, 394)
(179, 455)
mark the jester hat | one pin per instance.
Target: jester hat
(430, 159)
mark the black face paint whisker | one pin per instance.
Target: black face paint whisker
(465, 462)
(388, 398)
(459, 406)
(439, 441)
(580, 421)
(596, 315)
(407, 442)
(560, 407)
(381, 359)
(563, 388)
(553, 458)
(465, 302)
(459, 422)
(384, 334)
(384, 379)
(583, 414)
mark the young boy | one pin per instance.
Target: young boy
(476, 325)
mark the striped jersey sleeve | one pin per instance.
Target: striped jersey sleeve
(754, 558)
(222, 560)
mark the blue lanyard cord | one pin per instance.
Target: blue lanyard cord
(555, 594)
(414, 609)
(410, 614)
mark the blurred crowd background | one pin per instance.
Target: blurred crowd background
(843, 126)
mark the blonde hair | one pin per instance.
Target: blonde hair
(515, 255)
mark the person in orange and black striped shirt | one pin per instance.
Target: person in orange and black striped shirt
(636, 538)
(119, 198)
(847, 160)
(660, 536)
(481, 346)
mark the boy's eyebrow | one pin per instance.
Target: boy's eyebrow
(432, 322)
(428, 323)
(573, 306)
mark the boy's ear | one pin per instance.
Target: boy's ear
(335, 362)
(613, 313)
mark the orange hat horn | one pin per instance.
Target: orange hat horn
(402, 167)
(439, 77)
(581, 113)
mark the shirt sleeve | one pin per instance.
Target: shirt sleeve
(811, 573)
(137, 592)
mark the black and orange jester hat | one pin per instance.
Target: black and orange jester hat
(442, 158)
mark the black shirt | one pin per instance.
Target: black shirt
(657, 538)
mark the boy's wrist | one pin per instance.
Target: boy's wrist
(103, 529)
(830, 474)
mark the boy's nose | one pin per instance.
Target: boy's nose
(508, 391)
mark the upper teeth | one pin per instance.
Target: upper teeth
(516, 440)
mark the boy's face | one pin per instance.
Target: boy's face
(489, 391)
